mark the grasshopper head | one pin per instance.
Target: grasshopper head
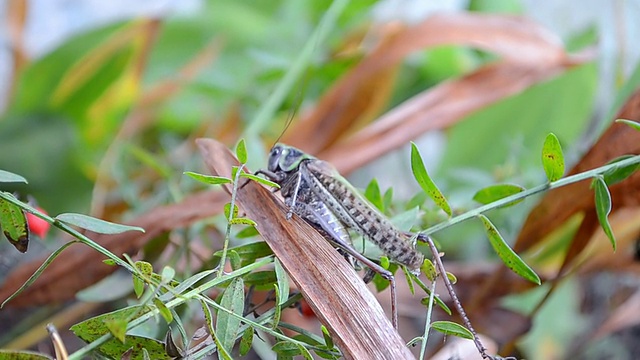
(285, 158)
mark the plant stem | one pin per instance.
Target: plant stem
(526, 193)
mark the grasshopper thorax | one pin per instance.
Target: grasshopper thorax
(286, 158)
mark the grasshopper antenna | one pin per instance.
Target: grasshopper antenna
(296, 106)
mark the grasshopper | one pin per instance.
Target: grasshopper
(314, 190)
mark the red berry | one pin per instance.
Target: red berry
(305, 309)
(37, 225)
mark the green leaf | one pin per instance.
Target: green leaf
(9, 177)
(227, 325)
(618, 174)
(242, 221)
(168, 273)
(117, 328)
(633, 124)
(372, 193)
(163, 310)
(261, 279)
(388, 198)
(250, 252)
(223, 354)
(246, 341)
(283, 282)
(138, 286)
(409, 280)
(603, 207)
(208, 179)
(14, 225)
(552, 158)
(508, 256)
(429, 270)
(144, 267)
(328, 341)
(241, 152)
(260, 180)
(451, 328)
(234, 260)
(138, 283)
(278, 310)
(452, 278)
(496, 192)
(384, 262)
(109, 262)
(286, 349)
(247, 232)
(427, 185)
(227, 209)
(96, 225)
(305, 353)
(92, 329)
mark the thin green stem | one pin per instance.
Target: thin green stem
(266, 112)
(534, 190)
(427, 325)
(232, 206)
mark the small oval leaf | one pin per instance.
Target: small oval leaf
(227, 209)
(94, 224)
(552, 158)
(620, 173)
(163, 310)
(603, 207)
(242, 221)
(429, 270)
(496, 192)
(241, 152)
(246, 341)
(208, 179)
(372, 193)
(427, 185)
(508, 256)
(260, 180)
(451, 328)
(9, 177)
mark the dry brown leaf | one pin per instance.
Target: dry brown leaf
(516, 40)
(337, 295)
(436, 108)
(80, 266)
